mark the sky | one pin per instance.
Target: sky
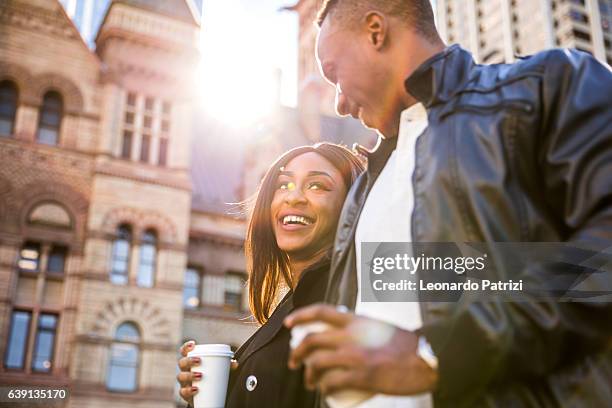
(243, 44)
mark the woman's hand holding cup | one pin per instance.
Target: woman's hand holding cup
(186, 376)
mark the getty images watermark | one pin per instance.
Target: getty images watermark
(446, 272)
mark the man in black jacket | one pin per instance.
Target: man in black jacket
(509, 153)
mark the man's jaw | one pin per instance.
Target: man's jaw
(364, 121)
(385, 133)
(357, 113)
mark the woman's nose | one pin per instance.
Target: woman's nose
(295, 196)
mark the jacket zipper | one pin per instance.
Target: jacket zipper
(516, 105)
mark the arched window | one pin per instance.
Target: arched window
(122, 374)
(50, 118)
(148, 256)
(121, 255)
(8, 107)
(50, 214)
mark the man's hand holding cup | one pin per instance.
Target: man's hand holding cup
(358, 353)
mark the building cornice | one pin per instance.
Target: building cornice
(144, 173)
(21, 146)
(109, 236)
(30, 17)
(146, 25)
(21, 378)
(215, 238)
(104, 278)
(146, 40)
(106, 341)
(216, 312)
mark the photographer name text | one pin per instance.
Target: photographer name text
(468, 285)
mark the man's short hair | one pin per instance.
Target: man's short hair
(418, 14)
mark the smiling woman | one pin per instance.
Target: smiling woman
(288, 243)
(295, 217)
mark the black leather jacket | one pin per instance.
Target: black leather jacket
(512, 153)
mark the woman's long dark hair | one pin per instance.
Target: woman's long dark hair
(267, 265)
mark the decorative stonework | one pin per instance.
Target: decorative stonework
(50, 213)
(37, 157)
(32, 88)
(38, 174)
(133, 20)
(38, 19)
(149, 319)
(22, 77)
(140, 221)
(36, 193)
(159, 178)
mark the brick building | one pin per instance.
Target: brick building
(106, 264)
(116, 244)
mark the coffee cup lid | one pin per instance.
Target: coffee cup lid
(223, 350)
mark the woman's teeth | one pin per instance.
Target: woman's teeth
(295, 219)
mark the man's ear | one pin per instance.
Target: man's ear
(377, 28)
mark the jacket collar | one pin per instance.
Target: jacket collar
(311, 286)
(345, 236)
(379, 156)
(440, 77)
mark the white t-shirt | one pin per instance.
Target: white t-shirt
(386, 217)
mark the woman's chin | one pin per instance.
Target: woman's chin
(298, 250)
(293, 241)
(292, 249)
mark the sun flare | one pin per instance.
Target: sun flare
(239, 75)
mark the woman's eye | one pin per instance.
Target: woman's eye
(287, 185)
(316, 186)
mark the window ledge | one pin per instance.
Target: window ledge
(218, 312)
(25, 272)
(55, 276)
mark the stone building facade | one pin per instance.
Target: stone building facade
(106, 267)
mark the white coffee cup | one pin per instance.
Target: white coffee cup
(339, 399)
(215, 360)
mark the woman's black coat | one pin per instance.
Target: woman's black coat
(262, 378)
